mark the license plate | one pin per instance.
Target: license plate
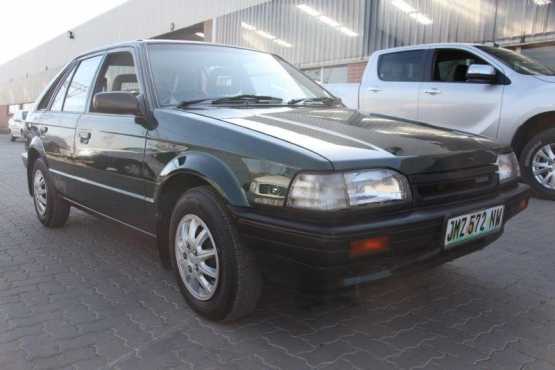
(473, 225)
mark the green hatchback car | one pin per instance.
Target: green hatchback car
(244, 170)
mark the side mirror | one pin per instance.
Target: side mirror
(116, 103)
(481, 73)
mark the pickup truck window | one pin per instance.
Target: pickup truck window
(404, 66)
(79, 88)
(517, 62)
(195, 72)
(451, 65)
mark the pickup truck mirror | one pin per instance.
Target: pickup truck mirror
(116, 102)
(481, 73)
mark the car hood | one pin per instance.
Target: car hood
(349, 139)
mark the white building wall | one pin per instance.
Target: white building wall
(24, 78)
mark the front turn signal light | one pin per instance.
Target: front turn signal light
(368, 246)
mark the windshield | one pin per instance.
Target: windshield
(191, 72)
(519, 63)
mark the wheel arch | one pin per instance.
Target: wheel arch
(184, 172)
(34, 152)
(533, 126)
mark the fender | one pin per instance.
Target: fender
(35, 146)
(207, 167)
(211, 169)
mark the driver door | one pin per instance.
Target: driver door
(109, 148)
(448, 100)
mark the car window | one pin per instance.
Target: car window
(20, 115)
(407, 66)
(43, 104)
(45, 101)
(451, 65)
(58, 102)
(518, 62)
(190, 72)
(118, 74)
(78, 90)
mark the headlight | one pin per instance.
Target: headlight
(507, 167)
(342, 190)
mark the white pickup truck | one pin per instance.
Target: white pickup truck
(480, 89)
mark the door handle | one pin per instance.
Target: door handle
(432, 91)
(374, 90)
(84, 137)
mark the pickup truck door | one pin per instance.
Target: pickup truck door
(448, 100)
(109, 148)
(391, 84)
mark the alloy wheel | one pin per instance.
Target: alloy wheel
(197, 257)
(543, 166)
(40, 192)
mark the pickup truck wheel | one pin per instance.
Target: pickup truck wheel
(538, 164)
(12, 138)
(51, 209)
(216, 272)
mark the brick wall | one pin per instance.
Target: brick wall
(355, 72)
(4, 117)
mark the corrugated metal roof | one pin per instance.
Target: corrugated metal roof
(23, 78)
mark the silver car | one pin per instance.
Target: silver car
(480, 89)
(16, 124)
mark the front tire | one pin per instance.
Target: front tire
(12, 138)
(52, 210)
(538, 164)
(216, 273)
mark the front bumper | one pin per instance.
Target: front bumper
(315, 257)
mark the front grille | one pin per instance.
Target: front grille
(453, 185)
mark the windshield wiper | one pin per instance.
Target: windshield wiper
(186, 103)
(237, 99)
(322, 99)
(246, 98)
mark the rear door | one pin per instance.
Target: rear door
(110, 148)
(67, 107)
(393, 89)
(56, 119)
(448, 100)
(55, 128)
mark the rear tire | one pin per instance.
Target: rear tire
(52, 210)
(537, 162)
(12, 138)
(234, 276)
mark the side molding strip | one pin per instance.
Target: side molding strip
(94, 183)
(100, 214)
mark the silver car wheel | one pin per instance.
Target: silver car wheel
(40, 192)
(543, 166)
(197, 257)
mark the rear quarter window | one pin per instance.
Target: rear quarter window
(403, 66)
(47, 97)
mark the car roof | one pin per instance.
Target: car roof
(136, 43)
(429, 46)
